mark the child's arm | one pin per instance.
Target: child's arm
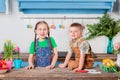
(30, 62)
(66, 60)
(54, 59)
(81, 62)
(84, 49)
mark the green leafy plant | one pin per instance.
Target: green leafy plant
(8, 50)
(106, 27)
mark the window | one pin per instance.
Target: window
(2, 6)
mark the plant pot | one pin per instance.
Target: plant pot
(118, 60)
(17, 63)
(9, 64)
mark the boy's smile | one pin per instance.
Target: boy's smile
(75, 32)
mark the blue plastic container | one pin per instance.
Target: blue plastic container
(17, 63)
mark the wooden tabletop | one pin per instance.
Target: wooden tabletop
(55, 74)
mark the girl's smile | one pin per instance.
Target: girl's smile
(42, 31)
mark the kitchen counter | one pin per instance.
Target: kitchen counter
(55, 74)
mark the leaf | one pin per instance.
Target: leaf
(106, 27)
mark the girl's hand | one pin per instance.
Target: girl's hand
(61, 65)
(49, 67)
(30, 67)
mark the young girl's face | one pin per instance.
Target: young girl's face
(42, 30)
(75, 32)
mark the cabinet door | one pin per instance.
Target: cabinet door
(2, 6)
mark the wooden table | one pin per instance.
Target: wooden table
(55, 74)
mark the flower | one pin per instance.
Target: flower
(9, 49)
(108, 65)
(108, 62)
(117, 48)
(17, 51)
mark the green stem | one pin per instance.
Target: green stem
(18, 55)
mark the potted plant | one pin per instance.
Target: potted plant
(8, 53)
(17, 60)
(106, 27)
(109, 66)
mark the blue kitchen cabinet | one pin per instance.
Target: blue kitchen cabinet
(2, 6)
(65, 6)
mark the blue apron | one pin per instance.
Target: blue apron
(43, 54)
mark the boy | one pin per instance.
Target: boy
(81, 49)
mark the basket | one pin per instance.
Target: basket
(110, 69)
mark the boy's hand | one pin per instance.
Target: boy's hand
(61, 65)
(76, 69)
(49, 67)
(30, 67)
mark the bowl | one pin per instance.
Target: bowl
(3, 71)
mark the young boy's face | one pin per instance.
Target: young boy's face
(75, 32)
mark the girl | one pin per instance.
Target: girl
(43, 48)
(81, 49)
